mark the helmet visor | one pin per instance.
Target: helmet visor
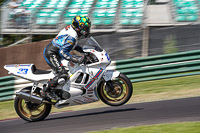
(85, 30)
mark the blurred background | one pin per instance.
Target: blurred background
(125, 28)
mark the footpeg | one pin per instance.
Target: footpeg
(61, 81)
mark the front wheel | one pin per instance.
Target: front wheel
(116, 92)
(31, 111)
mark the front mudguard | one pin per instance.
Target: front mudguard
(110, 74)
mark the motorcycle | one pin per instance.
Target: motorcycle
(88, 83)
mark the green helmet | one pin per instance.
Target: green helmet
(82, 25)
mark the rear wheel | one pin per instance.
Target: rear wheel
(117, 92)
(31, 111)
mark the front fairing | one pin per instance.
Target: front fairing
(97, 54)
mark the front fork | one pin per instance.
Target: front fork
(109, 86)
(110, 75)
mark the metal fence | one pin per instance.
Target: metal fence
(163, 40)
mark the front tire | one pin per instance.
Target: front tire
(119, 95)
(31, 111)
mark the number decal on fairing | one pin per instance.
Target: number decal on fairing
(22, 71)
(107, 56)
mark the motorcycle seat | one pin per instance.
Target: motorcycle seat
(38, 71)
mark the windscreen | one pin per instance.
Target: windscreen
(92, 44)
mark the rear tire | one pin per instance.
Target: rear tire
(31, 111)
(122, 91)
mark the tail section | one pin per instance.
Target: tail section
(27, 71)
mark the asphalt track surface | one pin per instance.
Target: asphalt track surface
(167, 111)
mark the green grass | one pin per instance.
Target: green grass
(143, 92)
(7, 110)
(186, 127)
(175, 84)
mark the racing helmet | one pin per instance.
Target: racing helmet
(81, 24)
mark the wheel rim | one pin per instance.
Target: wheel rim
(121, 92)
(31, 110)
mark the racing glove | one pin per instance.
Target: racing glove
(77, 59)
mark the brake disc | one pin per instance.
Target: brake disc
(116, 91)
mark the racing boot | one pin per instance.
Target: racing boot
(52, 83)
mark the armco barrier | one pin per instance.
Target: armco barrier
(137, 69)
(9, 84)
(6, 88)
(161, 67)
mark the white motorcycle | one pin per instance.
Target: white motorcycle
(88, 82)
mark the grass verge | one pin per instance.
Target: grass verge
(186, 127)
(143, 92)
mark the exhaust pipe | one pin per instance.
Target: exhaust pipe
(30, 98)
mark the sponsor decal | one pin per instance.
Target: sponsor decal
(57, 63)
(70, 42)
(78, 101)
(87, 99)
(94, 78)
(24, 65)
(108, 57)
(18, 65)
(90, 91)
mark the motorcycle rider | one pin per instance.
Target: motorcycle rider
(61, 46)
